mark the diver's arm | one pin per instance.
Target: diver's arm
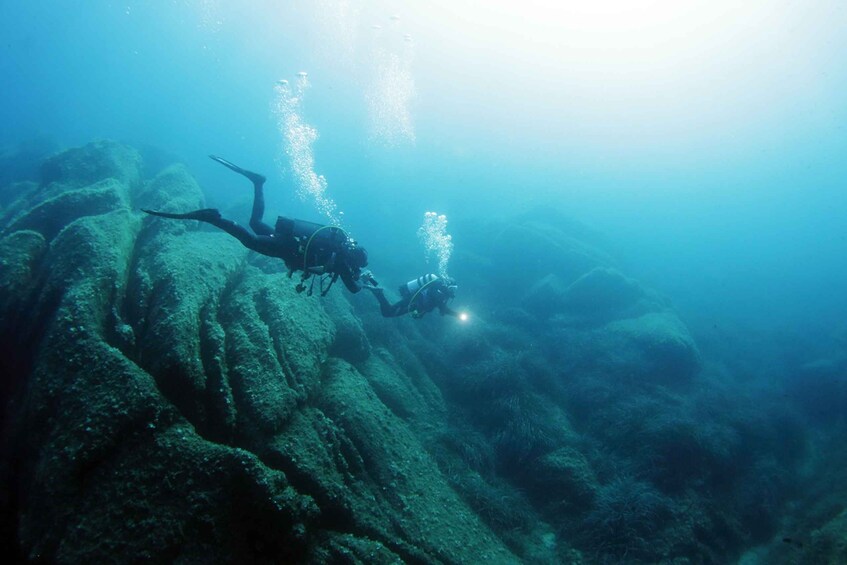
(446, 310)
(387, 309)
(352, 284)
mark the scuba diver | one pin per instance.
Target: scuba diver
(324, 251)
(419, 296)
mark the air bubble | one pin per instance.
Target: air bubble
(436, 241)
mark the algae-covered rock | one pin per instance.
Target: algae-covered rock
(176, 400)
(351, 342)
(369, 473)
(599, 296)
(276, 344)
(828, 544)
(653, 348)
(172, 190)
(94, 162)
(428, 512)
(505, 258)
(20, 255)
(823, 543)
(334, 547)
(55, 212)
(546, 296)
(534, 245)
(173, 295)
(661, 342)
(86, 181)
(177, 403)
(600, 291)
(14, 198)
(564, 479)
(113, 469)
(418, 400)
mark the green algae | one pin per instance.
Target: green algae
(179, 401)
(174, 387)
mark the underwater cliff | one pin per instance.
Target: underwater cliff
(168, 396)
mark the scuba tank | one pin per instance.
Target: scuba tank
(415, 285)
(316, 242)
(301, 229)
(317, 248)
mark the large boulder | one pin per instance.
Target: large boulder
(600, 295)
(176, 400)
(564, 481)
(504, 258)
(655, 348)
(601, 291)
(83, 166)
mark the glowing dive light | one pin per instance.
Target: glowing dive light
(463, 317)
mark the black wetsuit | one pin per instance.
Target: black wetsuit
(312, 248)
(432, 296)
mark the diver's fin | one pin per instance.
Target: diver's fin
(204, 215)
(255, 178)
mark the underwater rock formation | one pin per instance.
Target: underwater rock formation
(595, 401)
(177, 400)
(600, 294)
(169, 396)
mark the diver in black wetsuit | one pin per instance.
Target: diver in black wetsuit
(419, 296)
(314, 249)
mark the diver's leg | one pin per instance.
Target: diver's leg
(256, 223)
(204, 215)
(387, 309)
(258, 181)
(255, 178)
(261, 244)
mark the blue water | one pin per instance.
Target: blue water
(706, 140)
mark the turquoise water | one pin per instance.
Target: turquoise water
(699, 147)
(706, 140)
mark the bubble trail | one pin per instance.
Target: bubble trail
(437, 242)
(297, 140)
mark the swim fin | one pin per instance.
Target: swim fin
(204, 215)
(255, 178)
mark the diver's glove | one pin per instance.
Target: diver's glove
(368, 278)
